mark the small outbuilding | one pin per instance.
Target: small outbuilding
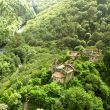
(74, 54)
(92, 54)
(63, 73)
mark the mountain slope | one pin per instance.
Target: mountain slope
(8, 21)
(26, 65)
(81, 20)
(13, 13)
(21, 8)
(40, 5)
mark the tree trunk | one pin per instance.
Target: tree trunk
(25, 106)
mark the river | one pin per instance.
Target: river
(20, 30)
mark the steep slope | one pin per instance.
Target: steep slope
(13, 13)
(14, 10)
(25, 66)
(21, 8)
(74, 21)
(8, 21)
(40, 5)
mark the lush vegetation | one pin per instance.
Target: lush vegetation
(27, 58)
(41, 5)
(12, 14)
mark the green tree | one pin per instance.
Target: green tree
(3, 107)
(78, 98)
(24, 52)
(70, 42)
(103, 9)
(99, 44)
(106, 58)
(101, 1)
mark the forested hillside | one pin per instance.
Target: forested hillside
(60, 34)
(13, 14)
(84, 22)
(40, 5)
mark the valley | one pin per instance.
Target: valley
(54, 54)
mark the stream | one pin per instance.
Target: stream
(20, 30)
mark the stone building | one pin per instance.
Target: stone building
(74, 54)
(62, 73)
(92, 54)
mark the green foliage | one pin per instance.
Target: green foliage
(78, 98)
(99, 44)
(79, 48)
(40, 5)
(8, 64)
(27, 60)
(24, 52)
(69, 24)
(106, 58)
(3, 107)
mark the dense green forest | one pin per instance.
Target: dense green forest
(53, 29)
(40, 5)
